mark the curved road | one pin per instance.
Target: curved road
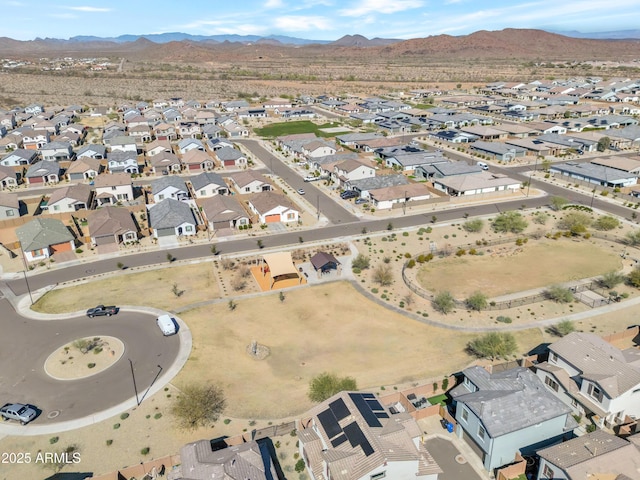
(26, 343)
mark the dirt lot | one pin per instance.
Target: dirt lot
(506, 269)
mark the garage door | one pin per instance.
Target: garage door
(61, 247)
(105, 240)
(474, 446)
(165, 232)
(272, 218)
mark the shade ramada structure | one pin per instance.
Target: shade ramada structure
(280, 266)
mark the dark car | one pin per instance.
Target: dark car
(361, 200)
(101, 311)
(347, 194)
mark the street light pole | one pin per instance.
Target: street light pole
(318, 207)
(24, 263)
(135, 386)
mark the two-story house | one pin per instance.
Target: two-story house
(70, 198)
(119, 161)
(9, 206)
(502, 413)
(113, 188)
(55, 151)
(592, 376)
(352, 436)
(8, 177)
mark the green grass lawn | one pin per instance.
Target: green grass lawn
(442, 398)
(291, 128)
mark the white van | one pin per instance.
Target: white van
(167, 325)
(483, 165)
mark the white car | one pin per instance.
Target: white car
(300, 191)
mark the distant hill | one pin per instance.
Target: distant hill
(179, 36)
(360, 41)
(617, 35)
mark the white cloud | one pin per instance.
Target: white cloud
(89, 9)
(366, 7)
(297, 23)
(274, 4)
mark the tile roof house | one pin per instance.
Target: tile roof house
(596, 455)
(593, 376)
(92, 150)
(273, 207)
(165, 162)
(250, 460)
(56, 151)
(157, 147)
(119, 161)
(208, 184)
(500, 414)
(124, 143)
(84, 168)
(351, 436)
(18, 157)
(113, 188)
(399, 195)
(197, 160)
(165, 132)
(231, 157)
(223, 212)
(189, 144)
(112, 225)
(169, 187)
(43, 237)
(171, 217)
(8, 177)
(9, 206)
(476, 183)
(70, 198)
(43, 172)
(250, 182)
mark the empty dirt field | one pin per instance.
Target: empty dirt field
(324, 328)
(153, 288)
(504, 270)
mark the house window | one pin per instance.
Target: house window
(469, 384)
(161, 197)
(203, 192)
(595, 392)
(574, 403)
(554, 357)
(9, 213)
(291, 216)
(56, 207)
(188, 228)
(247, 189)
(113, 188)
(481, 432)
(547, 472)
(465, 414)
(376, 476)
(553, 385)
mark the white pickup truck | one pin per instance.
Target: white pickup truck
(19, 412)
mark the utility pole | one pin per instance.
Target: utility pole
(318, 207)
(24, 263)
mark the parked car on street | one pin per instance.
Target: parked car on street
(300, 191)
(101, 311)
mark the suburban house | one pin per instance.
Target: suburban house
(171, 217)
(596, 174)
(352, 436)
(56, 151)
(165, 162)
(158, 146)
(114, 188)
(8, 177)
(398, 195)
(43, 237)
(215, 144)
(476, 184)
(197, 160)
(350, 169)
(273, 207)
(223, 211)
(503, 413)
(594, 377)
(189, 144)
(92, 150)
(123, 162)
(247, 461)
(18, 157)
(250, 182)
(124, 143)
(84, 168)
(9, 206)
(70, 199)
(169, 187)
(208, 184)
(43, 172)
(498, 151)
(10, 142)
(34, 139)
(364, 185)
(211, 131)
(111, 225)
(597, 455)
(231, 157)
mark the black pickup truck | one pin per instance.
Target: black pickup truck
(101, 310)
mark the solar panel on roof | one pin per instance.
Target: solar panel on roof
(365, 410)
(381, 415)
(356, 437)
(339, 440)
(329, 423)
(368, 395)
(374, 405)
(339, 409)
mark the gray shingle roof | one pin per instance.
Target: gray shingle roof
(206, 178)
(43, 167)
(170, 213)
(509, 401)
(229, 153)
(161, 183)
(41, 233)
(110, 221)
(379, 182)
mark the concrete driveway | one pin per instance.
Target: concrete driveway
(444, 452)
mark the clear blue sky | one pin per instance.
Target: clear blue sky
(311, 19)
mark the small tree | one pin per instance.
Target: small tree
(361, 262)
(556, 203)
(170, 258)
(633, 238)
(238, 283)
(214, 250)
(198, 406)
(299, 466)
(327, 384)
(281, 297)
(259, 243)
(509, 222)
(390, 226)
(562, 328)
(232, 305)
(611, 279)
(540, 218)
(383, 275)
(444, 302)
(546, 165)
(473, 226)
(493, 345)
(606, 223)
(559, 294)
(634, 277)
(478, 301)
(603, 144)
(575, 222)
